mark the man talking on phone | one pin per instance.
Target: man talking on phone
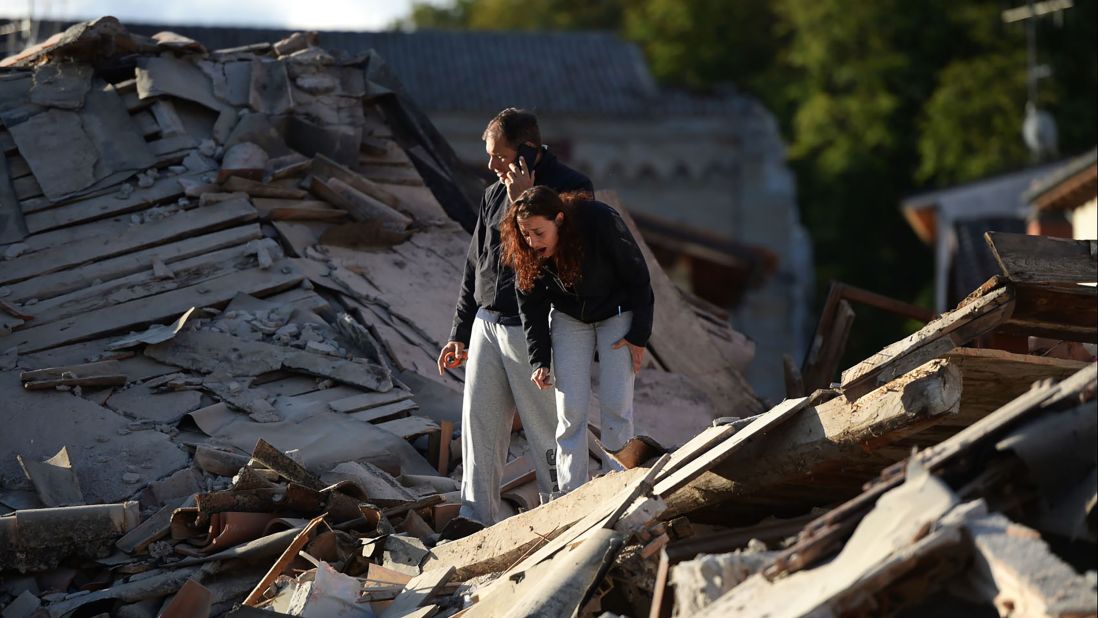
(488, 333)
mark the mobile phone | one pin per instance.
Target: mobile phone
(528, 152)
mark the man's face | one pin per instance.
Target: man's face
(500, 156)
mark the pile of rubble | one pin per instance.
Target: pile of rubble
(206, 251)
(225, 275)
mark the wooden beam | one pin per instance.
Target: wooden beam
(255, 188)
(136, 238)
(359, 205)
(153, 309)
(323, 167)
(954, 328)
(500, 546)
(830, 435)
(991, 378)
(47, 286)
(772, 419)
(109, 205)
(190, 271)
(1043, 259)
(1056, 311)
(410, 427)
(828, 345)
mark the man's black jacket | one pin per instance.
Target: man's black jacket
(614, 280)
(487, 282)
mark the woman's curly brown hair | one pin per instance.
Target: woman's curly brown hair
(517, 254)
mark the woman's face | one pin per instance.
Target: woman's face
(540, 233)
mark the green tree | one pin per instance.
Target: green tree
(518, 15)
(702, 43)
(971, 125)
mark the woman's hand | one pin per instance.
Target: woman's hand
(635, 351)
(451, 356)
(541, 378)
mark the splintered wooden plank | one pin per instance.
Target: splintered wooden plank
(104, 206)
(417, 591)
(951, 329)
(324, 167)
(300, 210)
(53, 284)
(1055, 310)
(361, 207)
(410, 427)
(392, 175)
(697, 446)
(386, 412)
(1043, 259)
(147, 283)
(115, 226)
(135, 238)
(769, 421)
(366, 401)
(161, 308)
(255, 188)
(994, 377)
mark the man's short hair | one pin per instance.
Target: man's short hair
(515, 126)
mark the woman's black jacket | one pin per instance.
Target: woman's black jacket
(614, 280)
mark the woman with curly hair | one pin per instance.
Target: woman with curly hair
(583, 287)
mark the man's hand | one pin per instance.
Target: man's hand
(541, 378)
(451, 356)
(635, 351)
(518, 179)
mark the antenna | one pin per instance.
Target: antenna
(1038, 127)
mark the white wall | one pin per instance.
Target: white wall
(1084, 221)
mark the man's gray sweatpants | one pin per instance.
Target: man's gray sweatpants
(497, 381)
(574, 346)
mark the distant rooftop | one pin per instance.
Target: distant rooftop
(595, 73)
(1068, 186)
(995, 196)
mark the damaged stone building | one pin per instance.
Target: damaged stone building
(227, 272)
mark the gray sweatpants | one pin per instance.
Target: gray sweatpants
(574, 345)
(497, 381)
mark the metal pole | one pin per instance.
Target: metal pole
(1031, 53)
